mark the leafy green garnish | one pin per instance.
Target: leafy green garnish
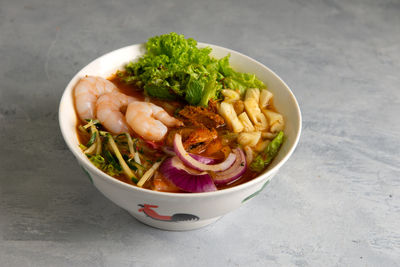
(194, 91)
(174, 67)
(210, 90)
(112, 160)
(237, 80)
(104, 165)
(266, 156)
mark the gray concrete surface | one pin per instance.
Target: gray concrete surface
(335, 203)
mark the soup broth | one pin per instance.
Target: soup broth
(170, 107)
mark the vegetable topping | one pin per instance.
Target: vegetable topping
(266, 156)
(174, 67)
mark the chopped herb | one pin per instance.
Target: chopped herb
(92, 139)
(112, 160)
(82, 147)
(103, 165)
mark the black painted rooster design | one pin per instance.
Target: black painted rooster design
(177, 217)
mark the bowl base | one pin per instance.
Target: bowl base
(174, 226)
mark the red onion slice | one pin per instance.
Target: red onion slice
(186, 179)
(206, 160)
(196, 164)
(168, 150)
(234, 172)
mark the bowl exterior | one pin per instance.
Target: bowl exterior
(179, 211)
(171, 213)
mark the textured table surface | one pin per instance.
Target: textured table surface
(335, 203)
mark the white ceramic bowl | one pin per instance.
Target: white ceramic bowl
(180, 211)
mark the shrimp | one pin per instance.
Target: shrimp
(86, 93)
(109, 107)
(149, 121)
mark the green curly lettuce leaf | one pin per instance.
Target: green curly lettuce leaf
(266, 156)
(236, 80)
(194, 91)
(210, 90)
(175, 68)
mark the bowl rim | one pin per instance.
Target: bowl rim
(68, 89)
